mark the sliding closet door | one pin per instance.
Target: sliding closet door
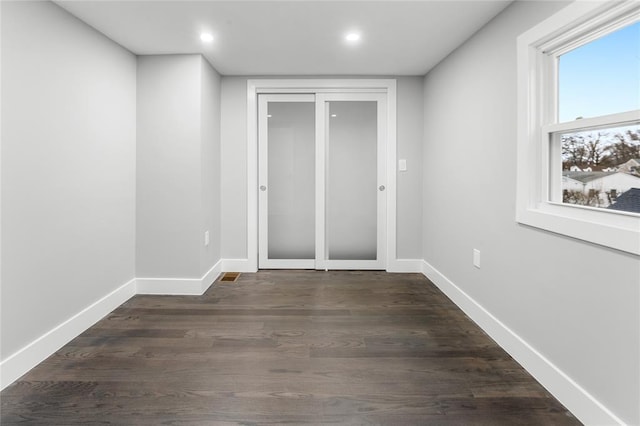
(351, 198)
(322, 199)
(287, 168)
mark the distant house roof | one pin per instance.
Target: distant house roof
(585, 177)
(628, 201)
(630, 162)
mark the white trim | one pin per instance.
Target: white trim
(319, 90)
(536, 118)
(169, 286)
(594, 123)
(360, 265)
(392, 173)
(288, 264)
(319, 85)
(255, 86)
(239, 265)
(252, 176)
(322, 130)
(604, 17)
(211, 276)
(581, 403)
(263, 179)
(179, 286)
(19, 363)
(264, 262)
(323, 201)
(405, 266)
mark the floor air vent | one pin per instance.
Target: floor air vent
(230, 276)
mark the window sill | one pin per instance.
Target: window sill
(616, 231)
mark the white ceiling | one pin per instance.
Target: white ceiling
(294, 37)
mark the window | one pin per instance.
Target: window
(579, 124)
(597, 165)
(602, 76)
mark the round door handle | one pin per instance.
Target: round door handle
(381, 188)
(263, 188)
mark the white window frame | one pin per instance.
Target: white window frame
(538, 159)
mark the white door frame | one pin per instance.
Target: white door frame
(256, 86)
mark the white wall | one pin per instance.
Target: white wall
(177, 166)
(68, 169)
(168, 167)
(233, 143)
(234, 167)
(210, 164)
(410, 113)
(72, 191)
(576, 303)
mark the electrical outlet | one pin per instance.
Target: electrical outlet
(206, 238)
(476, 258)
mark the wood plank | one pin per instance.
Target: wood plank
(278, 347)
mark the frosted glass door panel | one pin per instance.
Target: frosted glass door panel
(351, 193)
(291, 180)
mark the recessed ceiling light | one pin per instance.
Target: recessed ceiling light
(206, 37)
(334, 115)
(352, 37)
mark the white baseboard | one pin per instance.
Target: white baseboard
(44, 346)
(405, 265)
(37, 351)
(237, 265)
(169, 286)
(209, 278)
(582, 404)
(397, 265)
(179, 286)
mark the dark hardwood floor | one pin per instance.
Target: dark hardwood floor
(285, 347)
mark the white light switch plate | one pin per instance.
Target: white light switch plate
(402, 165)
